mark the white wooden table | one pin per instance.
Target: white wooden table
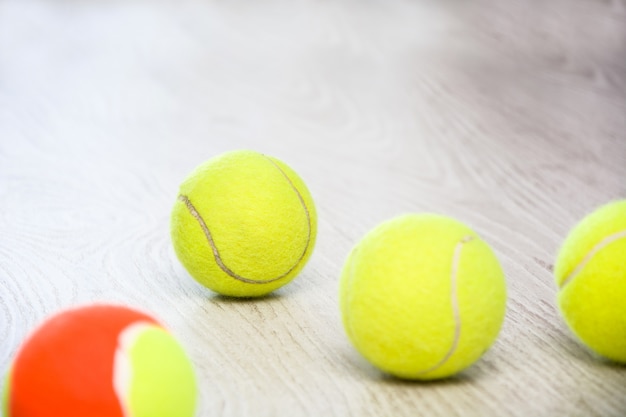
(507, 115)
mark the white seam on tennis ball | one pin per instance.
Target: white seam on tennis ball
(597, 248)
(456, 257)
(216, 254)
(122, 368)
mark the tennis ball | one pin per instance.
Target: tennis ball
(100, 361)
(244, 224)
(590, 272)
(422, 296)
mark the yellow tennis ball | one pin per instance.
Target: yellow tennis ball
(244, 224)
(422, 296)
(590, 273)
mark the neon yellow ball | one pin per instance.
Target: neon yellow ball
(422, 296)
(244, 224)
(590, 273)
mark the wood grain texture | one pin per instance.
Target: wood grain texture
(507, 115)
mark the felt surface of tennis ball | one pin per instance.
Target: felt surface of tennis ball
(422, 296)
(244, 224)
(100, 361)
(590, 273)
